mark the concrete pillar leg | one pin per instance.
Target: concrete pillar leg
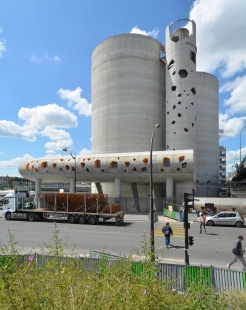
(117, 190)
(37, 188)
(135, 196)
(71, 189)
(169, 189)
(99, 187)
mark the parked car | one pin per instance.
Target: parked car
(226, 218)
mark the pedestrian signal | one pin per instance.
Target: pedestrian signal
(191, 240)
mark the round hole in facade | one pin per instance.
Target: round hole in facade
(174, 72)
(192, 124)
(174, 107)
(173, 88)
(87, 170)
(179, 102)
(143, 169)
(134, 169)
(192, 103)
(179, 95)
(186, 130)
(167, 112)
(173, 122)
(179, 114)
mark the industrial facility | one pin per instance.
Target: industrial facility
(138, 82)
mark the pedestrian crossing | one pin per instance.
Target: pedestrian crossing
(177, 227)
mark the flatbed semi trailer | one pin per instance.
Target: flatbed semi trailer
(75, 208)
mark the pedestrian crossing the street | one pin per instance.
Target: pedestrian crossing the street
(177, 227)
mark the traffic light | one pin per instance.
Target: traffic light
(191, 240)
(189, 200)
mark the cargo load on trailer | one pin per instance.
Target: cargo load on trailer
(74, 207)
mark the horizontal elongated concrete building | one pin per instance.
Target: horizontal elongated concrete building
(137, 82)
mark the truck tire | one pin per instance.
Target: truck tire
(71, 219)
(31, 217)
(81, 219)
(8, 216)
(92, 220)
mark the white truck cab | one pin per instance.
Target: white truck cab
(15, 201)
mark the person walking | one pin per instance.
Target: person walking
(167, 231)
(202, 223)
(238, 253)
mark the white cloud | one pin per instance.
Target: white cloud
(56, 58)
(2, 47)
(55, 134)
(75, 101)
(11, 130)
(236, 103)
(48, 115)
(85, 151)
(34, 58)
(231, 126)
(153, 33)
(59, 145)
(10, 164)
(221, 28)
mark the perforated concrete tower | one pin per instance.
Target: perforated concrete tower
(180, 87)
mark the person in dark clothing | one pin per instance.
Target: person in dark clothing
(238, 253)
(167, 231)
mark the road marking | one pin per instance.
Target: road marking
(178, 230)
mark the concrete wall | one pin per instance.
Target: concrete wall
(128, 94)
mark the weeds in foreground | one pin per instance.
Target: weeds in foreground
(59, 282)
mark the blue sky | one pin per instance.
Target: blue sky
(45, 67)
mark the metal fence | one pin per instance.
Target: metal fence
(180, 277)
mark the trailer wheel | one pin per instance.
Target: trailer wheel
(81, 219)
(71, 219)
(92, 219)
(31, 217)
(8, 216)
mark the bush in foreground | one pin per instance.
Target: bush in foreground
(73, 285)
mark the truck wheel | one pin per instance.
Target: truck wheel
(92, 219)
(81, 219)
(31, 217)
(8, 216)
(71, 219)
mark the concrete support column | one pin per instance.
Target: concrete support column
(99, 187)
(37, 188)
(117, 190)
(71, 185)
(169, 188)
(135, 196)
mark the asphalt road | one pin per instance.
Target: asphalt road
(211, 249)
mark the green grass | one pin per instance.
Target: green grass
(69, 284)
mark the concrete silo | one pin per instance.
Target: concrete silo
(207, 137)
(128, 98)
(128, 94)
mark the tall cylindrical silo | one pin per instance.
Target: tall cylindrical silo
(128, 99)
(207, 134)
(128, 94)
(180, 88)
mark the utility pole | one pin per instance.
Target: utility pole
(189, 240)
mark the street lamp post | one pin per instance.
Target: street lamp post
(152, 240)
(74, 157)
(240, 143)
